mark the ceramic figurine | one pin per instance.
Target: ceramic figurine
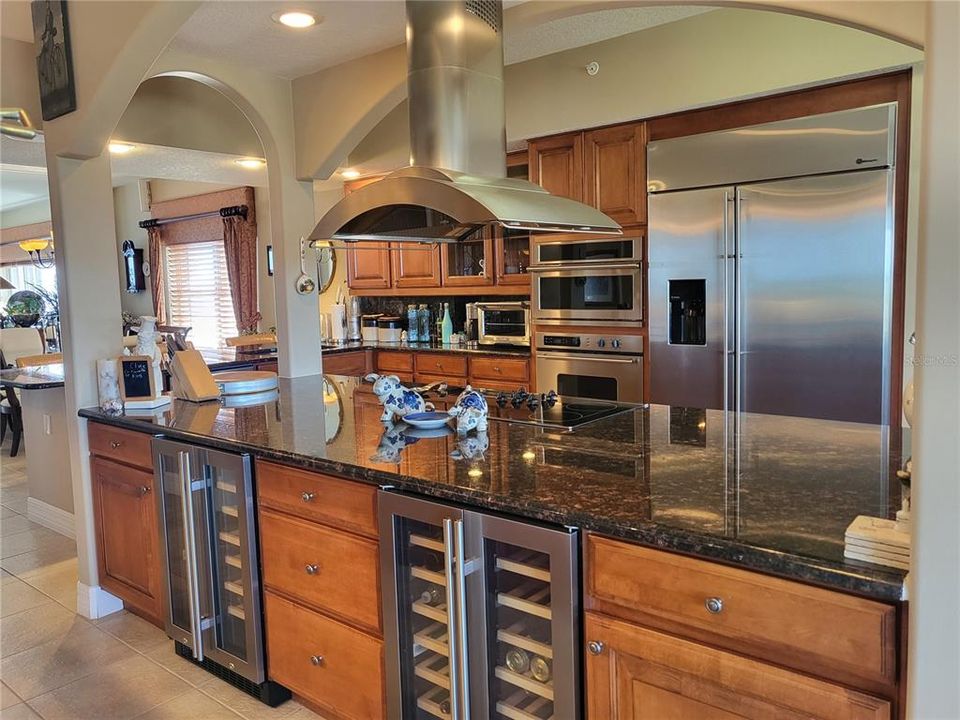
(393, 440)
(470, 410)
(397, 400)
(471, 447)
(147, 345)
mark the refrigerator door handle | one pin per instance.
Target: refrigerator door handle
(459, 567)
(190, 540)
(453, 622)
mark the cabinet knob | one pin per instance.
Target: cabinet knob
(115, 444)
(594, 647)
(144, 489)
(316, 660)
(439, 365)
(307, 496)
(312, 569)
(496, 368)
(714, 605)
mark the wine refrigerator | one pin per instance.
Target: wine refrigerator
(480, 614)
(209, 554)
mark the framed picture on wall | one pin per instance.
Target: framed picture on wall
(51, 42)
(270, 260)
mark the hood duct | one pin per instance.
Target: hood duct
(456, 185)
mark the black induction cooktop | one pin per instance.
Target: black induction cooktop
(565, 414)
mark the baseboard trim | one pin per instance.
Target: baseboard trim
(50, 516)
(94, 602)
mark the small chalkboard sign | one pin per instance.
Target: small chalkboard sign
(136, 378)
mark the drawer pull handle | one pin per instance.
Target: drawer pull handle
(312, 569)
(316, 660)
(115, 444)
(594, 647)
(307, 496)
(714, 605)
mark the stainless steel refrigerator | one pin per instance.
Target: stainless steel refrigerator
(481, 614)
(771, 267)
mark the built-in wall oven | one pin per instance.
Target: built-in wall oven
(587, 281)
(603, 367)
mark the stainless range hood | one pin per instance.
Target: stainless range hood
(456, 185)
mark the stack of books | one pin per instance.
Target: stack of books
(878, 541)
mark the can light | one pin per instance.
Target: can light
(251, 163)
(350, 174)
(296, 19)
(120, 148)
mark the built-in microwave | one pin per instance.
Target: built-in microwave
(553, 251)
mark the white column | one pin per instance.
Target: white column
(81, 203)
(934, 660)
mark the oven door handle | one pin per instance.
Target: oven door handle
(546, 355)
(630, 265)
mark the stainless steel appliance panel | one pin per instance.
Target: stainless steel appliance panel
(587, 294)
(815, 294)
(817, 144)
(552, 252)
(503, 323)
(691, 246)
(598, 376)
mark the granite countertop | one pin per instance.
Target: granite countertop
(39, 377)
(468, 348)
(234, 357)
(655, 475)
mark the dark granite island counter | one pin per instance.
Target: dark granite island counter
(655, 475)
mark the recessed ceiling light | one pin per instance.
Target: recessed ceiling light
(296, 19)
(120, 148)
(350, 174)
(251, 163)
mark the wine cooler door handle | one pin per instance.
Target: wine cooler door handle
(453, 636)
(190, 540)
(460, 576)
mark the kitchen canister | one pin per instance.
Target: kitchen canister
(338, 323)
(389, 329)
(369, 328)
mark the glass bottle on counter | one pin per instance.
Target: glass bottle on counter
(423, 316)
(413, 324)
(446, 325)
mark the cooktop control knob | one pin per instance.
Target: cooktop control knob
(615, 342)
(601, 342)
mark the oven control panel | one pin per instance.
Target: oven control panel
(619, 344)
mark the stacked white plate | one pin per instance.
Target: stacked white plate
(243, 382)
(879, 541)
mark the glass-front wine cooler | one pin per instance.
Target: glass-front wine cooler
(209, 553)
(480, 614)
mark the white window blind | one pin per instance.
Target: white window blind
(198, 292)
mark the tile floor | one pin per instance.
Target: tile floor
(57, 665)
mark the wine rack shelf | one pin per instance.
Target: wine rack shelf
(544, 690)
(532, 597)
(230, 510)
(233, 587)
(434, 612)
(425, 542)
(523, 706)
(226, 486)
(422, 573)
(233, 561)
(513, 636)
(434, 702)
(529, 566)
(434, 637)
(237, 612)
(230, 537)
(434, 669)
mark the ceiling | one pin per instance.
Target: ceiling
(23, 175)
(244, 32)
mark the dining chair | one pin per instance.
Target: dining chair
(255, 339)
(17, 342)
(43, 359)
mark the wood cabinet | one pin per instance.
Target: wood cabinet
(615, 172)
(415, 265)
(128, 541)
(368, 266)
(494, 372)
(556, 164)
(511, 258)
(634, 673)
(604, 168)
(469, 263)
(356, 362)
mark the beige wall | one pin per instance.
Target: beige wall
(26, 214)
(325, 196)
(48, 473)
(18, 78)
(128, 210)
(176, 112)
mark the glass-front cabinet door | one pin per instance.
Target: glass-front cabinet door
(421, 620)
(512, 256)
(526, 644)
(468, 262)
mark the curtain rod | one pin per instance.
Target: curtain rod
(232, 211)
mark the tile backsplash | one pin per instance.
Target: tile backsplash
(398, 306)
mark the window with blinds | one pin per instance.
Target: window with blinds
(198, 292)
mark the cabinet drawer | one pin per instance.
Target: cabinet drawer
(124, 446)
(335, 667)
(441, 364)
(326, 568)
(500, 369)
(789, 623)
(394, 361)
(348, 363)
(340, 503)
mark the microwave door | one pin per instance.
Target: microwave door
(597, 293)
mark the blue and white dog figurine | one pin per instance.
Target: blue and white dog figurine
(470, 410)
(396, 399)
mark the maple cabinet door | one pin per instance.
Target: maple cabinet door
(615, 172)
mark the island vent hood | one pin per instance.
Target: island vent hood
(456, 186)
